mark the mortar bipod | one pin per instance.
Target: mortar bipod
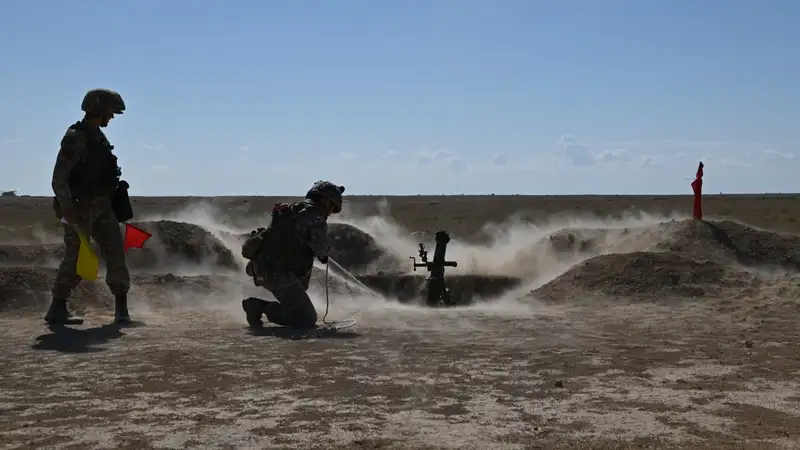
(437, 292)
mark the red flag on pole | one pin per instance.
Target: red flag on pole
(135, 237)
(697, 187)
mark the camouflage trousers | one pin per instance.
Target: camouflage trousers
(102, 226)
(294, 307)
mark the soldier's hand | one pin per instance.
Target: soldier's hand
(69, 215)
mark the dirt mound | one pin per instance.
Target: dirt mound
(179, 243)
(727, 241)
(356, 251)
(570, 242)
(724, 242)
(173, 243)
(24, 288)
(464, 289)
(48, 255)
(654, 275)
(567, 245)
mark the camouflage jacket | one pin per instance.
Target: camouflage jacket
(85, 166)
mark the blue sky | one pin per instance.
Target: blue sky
(412, 96)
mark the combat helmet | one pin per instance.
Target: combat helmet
(328, 190)
(102, 101)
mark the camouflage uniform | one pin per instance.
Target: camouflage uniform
(85, 179)
(284, 263)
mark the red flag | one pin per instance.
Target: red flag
(697, 187)
(135, 237)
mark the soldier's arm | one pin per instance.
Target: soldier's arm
(73, 147)
(317, 234)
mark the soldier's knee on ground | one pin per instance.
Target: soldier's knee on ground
(302, 310)
(295, 308)
(303, 316)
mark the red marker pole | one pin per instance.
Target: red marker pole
(697, 187)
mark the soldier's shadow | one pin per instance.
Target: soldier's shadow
(302, 333)
(75, 340)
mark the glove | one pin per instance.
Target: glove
(323, 259)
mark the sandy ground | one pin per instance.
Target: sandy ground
(515, 373)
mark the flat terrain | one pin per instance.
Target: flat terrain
(461, 215)
(685, 339)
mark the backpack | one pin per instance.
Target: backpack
(283, 216)
(254, 243)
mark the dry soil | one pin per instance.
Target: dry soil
(595, 322)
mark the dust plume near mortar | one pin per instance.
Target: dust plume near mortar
(637, 258)
(193, 260)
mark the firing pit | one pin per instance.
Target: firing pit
(464, 289)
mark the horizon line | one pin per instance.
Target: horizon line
(721, 194)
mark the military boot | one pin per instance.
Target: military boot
(59, 314)
(121, 316)
(254, 308)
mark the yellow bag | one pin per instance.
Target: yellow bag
(88, 262)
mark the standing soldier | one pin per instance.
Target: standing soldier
(86, 181)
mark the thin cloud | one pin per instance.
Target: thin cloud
(436, 155)
(575, 151)
(775, 154)
(611, 156)
(457, 164)
(499, 159)
(580, 154)
(442, 156)
(648, 161)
